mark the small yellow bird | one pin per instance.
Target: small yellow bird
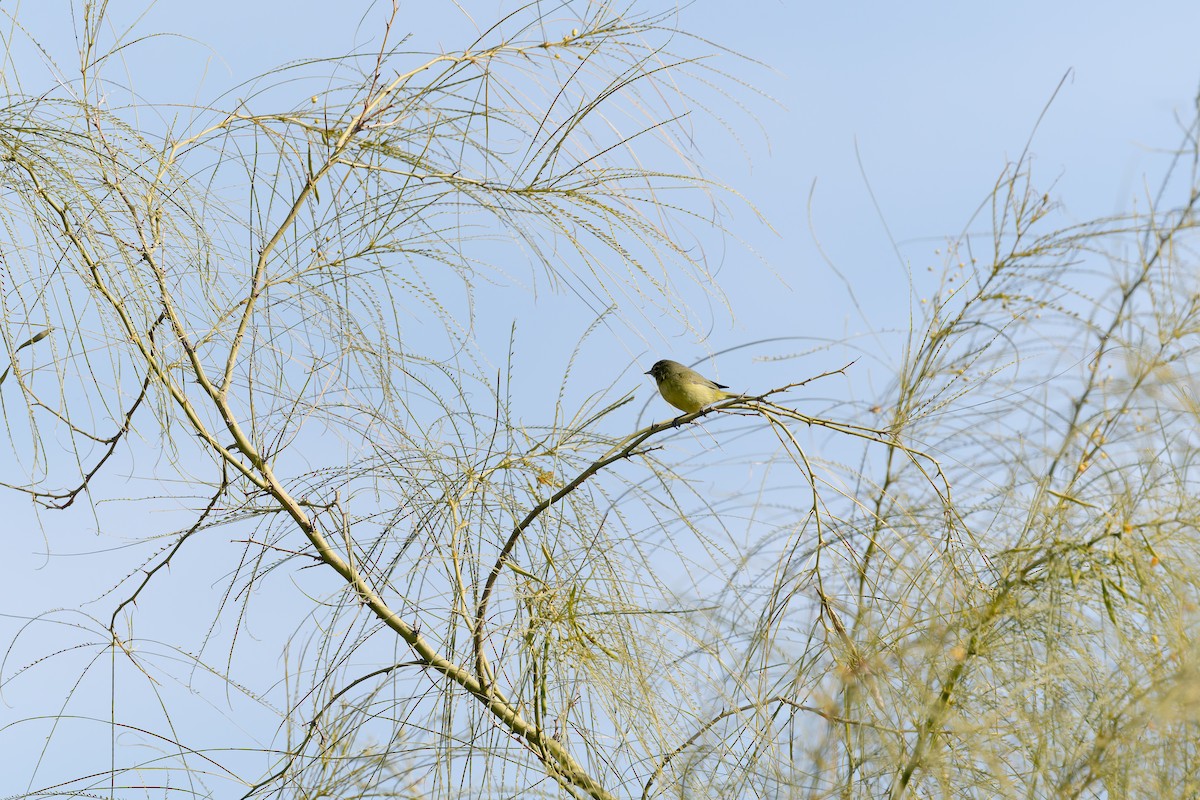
(684, 388)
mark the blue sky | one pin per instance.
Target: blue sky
(921, 105)
(918, 104)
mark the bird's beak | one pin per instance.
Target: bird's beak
(647, 372)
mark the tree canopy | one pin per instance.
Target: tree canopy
(339, 560)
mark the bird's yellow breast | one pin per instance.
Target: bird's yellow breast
(689, 397)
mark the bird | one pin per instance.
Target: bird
(684, 388)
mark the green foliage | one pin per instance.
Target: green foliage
(980, 583)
